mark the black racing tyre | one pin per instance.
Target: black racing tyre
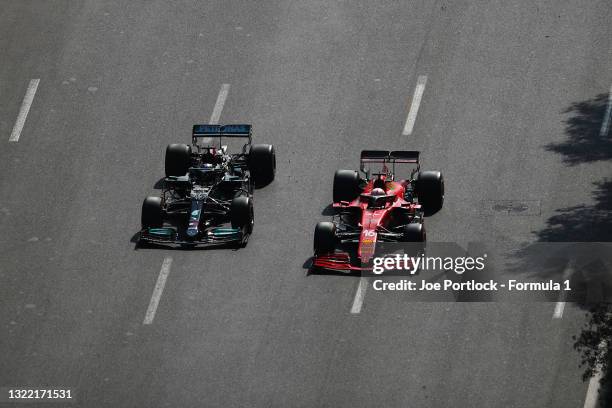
(178, 159)
(242, 214)
(152, 213)
(414, 232)
(401, 216)
(430, 190)
(324, 238)
(262, 163)
(346, 185)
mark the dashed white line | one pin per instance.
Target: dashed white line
(559, 308)
(216, 113)
(157, 292)
(414, 107)
(25, 108)
(360, 295)
(605, 126)
(592, 395)
(560, 305)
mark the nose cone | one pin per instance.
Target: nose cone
(194, 219)
(367, 245)
(192, 231)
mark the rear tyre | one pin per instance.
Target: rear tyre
(430, 191)
(178, 159)
(152, 213)
(262, 163)
(346, 185)
(324, 238)
(242, 213)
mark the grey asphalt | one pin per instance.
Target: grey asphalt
(321, 80)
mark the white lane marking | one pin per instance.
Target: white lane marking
(560, 305)
(592, 395)
(605, 126)
(414, 107)
(157, 292)
(359, 295)
(25, 108)
(216, 114)
(590, 401)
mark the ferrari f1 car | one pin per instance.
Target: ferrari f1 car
(207, 194)
(376, 208)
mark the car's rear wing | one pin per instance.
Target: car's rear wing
(239, 130)
(385, 156)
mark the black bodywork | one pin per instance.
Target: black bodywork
(211, 204)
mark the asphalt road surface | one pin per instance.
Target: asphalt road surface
(512, 109)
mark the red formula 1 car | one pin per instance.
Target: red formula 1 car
(377, 208)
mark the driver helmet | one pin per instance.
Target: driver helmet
(378, 192)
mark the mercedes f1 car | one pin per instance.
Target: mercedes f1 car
(207, 194)
(376, 208)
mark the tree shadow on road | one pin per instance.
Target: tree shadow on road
(588, 223)
(582, 223)
(580, 234)
(585, 144)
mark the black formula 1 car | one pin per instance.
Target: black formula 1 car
(377, 208)
(207, 194)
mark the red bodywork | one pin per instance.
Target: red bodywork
(371, 219)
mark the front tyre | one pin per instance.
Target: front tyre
(414, 232)
(242, 214)
(152, 213)
(324, 238)
(414, 238)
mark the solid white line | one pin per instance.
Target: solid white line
(416, 102)
(25, 108)
(359, 295)
(560, 305)
(605, 126)
(592, 395)
(157, 292)
(216, 114)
